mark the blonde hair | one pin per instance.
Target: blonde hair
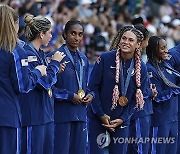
(8, 34)
(35, 25)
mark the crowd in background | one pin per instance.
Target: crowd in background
(98, 26)
(102, 19)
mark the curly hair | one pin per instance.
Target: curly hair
(115, 46)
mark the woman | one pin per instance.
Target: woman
(14, 78)
(70, 104)
(38, 109)
(165, 104)
(118, 80)
(141, 120)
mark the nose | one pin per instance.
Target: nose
(77, 38)
(125, 41)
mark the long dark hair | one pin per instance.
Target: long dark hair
(151, 50)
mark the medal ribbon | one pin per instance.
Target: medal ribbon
(124, 86)
(79, 77)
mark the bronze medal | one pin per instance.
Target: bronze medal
(81, 93)
(123, 100)
(50, 92)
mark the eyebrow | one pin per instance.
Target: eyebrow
(76, 31)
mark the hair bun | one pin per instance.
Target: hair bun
(29, 19)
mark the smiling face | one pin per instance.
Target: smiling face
(74, 36)
(161, 52)
(128, 43)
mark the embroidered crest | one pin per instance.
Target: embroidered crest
(150, 75)
(98, 60)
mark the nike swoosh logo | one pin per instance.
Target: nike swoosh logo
(123, 127)
(112, 67)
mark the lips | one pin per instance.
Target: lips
(125, 47)
(75, 43)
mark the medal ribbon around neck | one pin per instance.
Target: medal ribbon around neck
(79, 77)
(124, 86)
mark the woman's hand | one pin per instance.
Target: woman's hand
(58, 56)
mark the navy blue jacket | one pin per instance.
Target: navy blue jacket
(148, 108)
(102, 82)
(165, 105)
(175, 59)
(14, 78)
(66, 86)
(36, 106)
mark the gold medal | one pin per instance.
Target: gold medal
(50, 92)
(123, 100)
(81, 93)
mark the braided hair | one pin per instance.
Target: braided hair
(35, 25)
(116, 39)
(151, 51)
(115, 46)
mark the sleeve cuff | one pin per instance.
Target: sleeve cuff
(70, 96)
(100, 114)
(55, 63)
(38, 73)
(124, 118)
(92, 93)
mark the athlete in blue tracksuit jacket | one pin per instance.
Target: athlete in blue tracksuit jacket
(103, 117)
(102, 82)
(38, 109)
(70, 108)
(37, 106)
(14, 78)
(175, 62)
(165, 104)
(140, 122)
